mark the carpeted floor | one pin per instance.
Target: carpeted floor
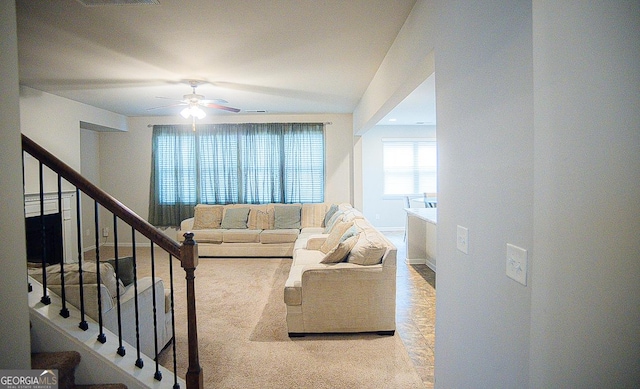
(243, 337)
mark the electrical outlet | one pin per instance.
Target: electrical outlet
(517, 263)
(105, 232)
(377, 216)
(462, 240)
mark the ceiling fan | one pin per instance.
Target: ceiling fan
(194, 102)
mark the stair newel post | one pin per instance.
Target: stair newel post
(189, 262)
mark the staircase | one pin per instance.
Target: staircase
(65, 362)
(54, 320)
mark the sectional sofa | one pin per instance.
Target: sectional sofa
(343, 273)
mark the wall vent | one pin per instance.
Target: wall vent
(97, 3)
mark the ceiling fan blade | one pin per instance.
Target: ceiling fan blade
(222, 107)
(166, 106)
(215, 101)
(169, 98)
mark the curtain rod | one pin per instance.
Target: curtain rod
(151, 125)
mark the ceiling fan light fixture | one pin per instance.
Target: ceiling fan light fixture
(194, 111)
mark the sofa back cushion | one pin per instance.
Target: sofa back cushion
(72, 276)
(370, 247)
(287, 216)
(261, 217)
(313, 215)
(235, 218)
(207, 216)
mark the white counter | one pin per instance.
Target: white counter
(421, 236)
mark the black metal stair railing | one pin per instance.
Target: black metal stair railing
(186, 253)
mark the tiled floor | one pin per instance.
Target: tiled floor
(416, 310)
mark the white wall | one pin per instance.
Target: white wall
(407, 64)
(90, 169)
(485, 183)
(585, 306)
(538, 118)
(125, 158)
(15, 344)
(54, 123)
(390, 210)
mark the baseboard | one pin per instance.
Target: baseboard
(431, 264)
(415, 261)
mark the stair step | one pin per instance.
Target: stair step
(64, 361)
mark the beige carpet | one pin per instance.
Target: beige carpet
(243, 337)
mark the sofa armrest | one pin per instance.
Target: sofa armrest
(315, 241)
(146, 287)
(347, 298)
(185, 225)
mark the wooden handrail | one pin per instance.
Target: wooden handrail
(102, 197)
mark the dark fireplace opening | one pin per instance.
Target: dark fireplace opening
(53, 238)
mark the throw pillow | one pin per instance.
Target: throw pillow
(125, 269)
(207, 216)
(332, 209)
(334, 237)
(332, 221)
(340, 252)
(235, 218)
(287, 216)
(260, 218)
(368, 250)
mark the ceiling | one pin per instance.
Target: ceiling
(278, 56)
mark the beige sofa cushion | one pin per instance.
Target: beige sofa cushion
(207, 216)
(241, 236)
(208, 236)
(72, 276)
(261, 217)
(335, 236)
(312, 214)
(279, 236)
(341, 251)
(370, 247)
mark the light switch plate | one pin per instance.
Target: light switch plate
(462, 240)
(517, 263)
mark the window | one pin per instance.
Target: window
(410, 166)
(234, 163)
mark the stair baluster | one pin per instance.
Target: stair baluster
(158, 374)
(139, 361)
(46, 300)
(173, 325)
(102, 338)
(121, 351)
(83, 325)
(64, 311)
